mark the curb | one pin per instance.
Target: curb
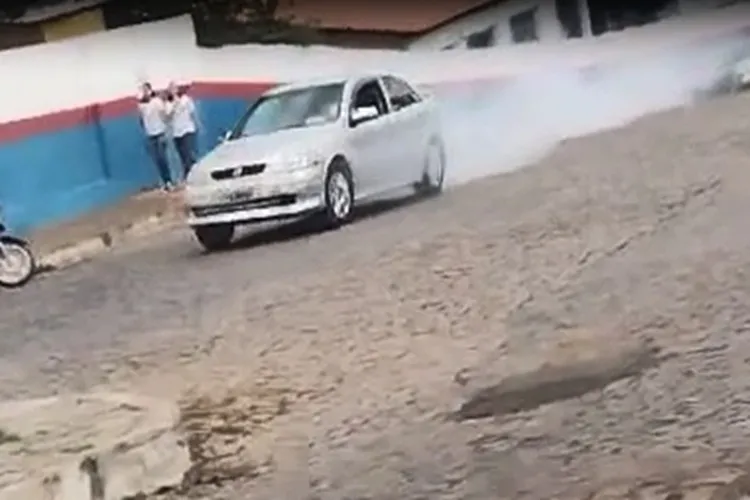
(88, 248)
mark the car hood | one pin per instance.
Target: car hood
(269, 148)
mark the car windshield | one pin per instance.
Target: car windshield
(291, 109)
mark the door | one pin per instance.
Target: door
(409, 122)
(370, 138)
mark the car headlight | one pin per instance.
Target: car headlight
(303, 162)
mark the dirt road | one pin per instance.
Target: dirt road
(330, 363)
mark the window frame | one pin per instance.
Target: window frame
(410, 92)
(358, 88)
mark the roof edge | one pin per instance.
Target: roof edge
(457, 17)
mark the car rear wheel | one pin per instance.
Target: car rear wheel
(339, 195)
(214, 237)
(433, 174)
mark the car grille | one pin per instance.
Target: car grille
(273, 201)
(239, 171)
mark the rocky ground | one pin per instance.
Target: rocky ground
(576, 329)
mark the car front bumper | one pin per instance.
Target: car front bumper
(218, 204)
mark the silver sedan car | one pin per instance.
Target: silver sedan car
(316, 147)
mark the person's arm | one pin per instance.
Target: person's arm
(167, 115)
(167, 109)
(140, 116)
(194, 113)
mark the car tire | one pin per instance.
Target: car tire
(214, 237)
(433, 173)
(338, 195)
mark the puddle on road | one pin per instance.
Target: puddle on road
(550, 384)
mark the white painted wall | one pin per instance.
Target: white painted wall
(99, 67)
(104, 66)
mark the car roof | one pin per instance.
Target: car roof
(321, 81)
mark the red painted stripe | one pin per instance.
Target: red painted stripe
(117, 107)
(18, 129)
(50, 122)
(229, 89)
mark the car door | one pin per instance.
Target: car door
(409, 116)
(370, 140)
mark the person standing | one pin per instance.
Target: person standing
(153, 118)
(184, 125)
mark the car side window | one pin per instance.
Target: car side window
(400, 93)
(369, 94)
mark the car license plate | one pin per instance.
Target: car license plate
(240, 195)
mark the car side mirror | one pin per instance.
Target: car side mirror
(363, 114)
(225, 136)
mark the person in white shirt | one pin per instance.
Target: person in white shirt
(184, 123)
(153, 118)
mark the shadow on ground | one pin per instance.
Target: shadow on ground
(280, 232)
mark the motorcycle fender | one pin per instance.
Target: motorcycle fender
(6, 238)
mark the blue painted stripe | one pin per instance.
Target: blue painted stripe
(59, 175)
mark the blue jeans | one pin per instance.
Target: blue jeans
(157, 148)
(185, 146)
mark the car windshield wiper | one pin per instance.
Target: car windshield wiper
(293, 125)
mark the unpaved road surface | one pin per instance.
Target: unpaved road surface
(328, 366)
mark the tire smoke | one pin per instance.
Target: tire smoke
(492, 128)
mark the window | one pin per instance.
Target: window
(400, 93)
(291, 109)
(609, 16)
(369, 94)
(481, 39)
(19, 35)
(569, 15)
(523, 27)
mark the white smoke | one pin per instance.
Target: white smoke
(494, 129)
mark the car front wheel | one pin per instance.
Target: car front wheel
(433, 173)
(339, 195)
(214, 237)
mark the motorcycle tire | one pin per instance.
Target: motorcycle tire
(27, 268)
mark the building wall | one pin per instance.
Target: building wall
(392, 15)
(81, 23)
(69, 135)
(454, 35)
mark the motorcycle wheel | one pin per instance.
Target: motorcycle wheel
(17, 263)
